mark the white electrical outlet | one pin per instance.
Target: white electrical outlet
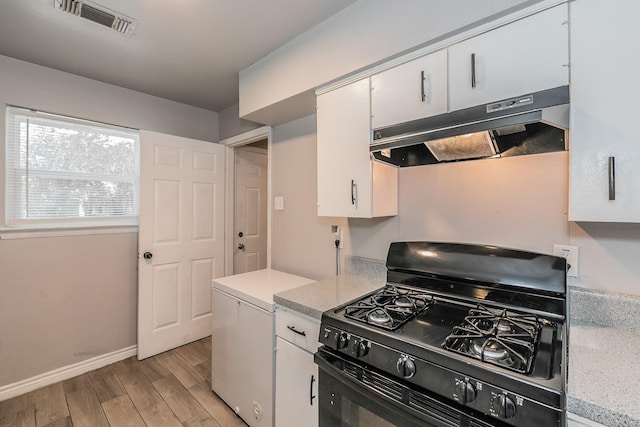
(571, 254)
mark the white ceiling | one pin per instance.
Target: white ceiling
(188, 51)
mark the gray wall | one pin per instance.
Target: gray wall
(302, 242)
(231, 124)
(67, 299)
(518, 202)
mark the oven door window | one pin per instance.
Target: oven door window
(344, 406)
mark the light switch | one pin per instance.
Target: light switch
(278, 203)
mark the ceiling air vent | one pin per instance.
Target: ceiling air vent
(98, 14)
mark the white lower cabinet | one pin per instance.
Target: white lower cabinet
(296, 373)
(296, 386)
(576, 421)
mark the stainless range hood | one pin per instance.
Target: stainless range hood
(527, 124)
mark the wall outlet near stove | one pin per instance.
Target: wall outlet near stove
(571, 254)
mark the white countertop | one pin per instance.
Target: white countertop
(258, 287)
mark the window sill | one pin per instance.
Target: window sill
(33, 233)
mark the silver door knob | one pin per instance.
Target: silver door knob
(240, 246)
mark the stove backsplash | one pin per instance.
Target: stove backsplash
(373, 269)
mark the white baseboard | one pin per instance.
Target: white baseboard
(64, 373)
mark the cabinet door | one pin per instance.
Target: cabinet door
(344, 165)
(296, 387)
(410, 91)
(604, 97)
(242, 358)
(520, 58)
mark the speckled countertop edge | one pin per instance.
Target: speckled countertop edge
(604, 362)
(315, 298)
(362, 275)
(604, 308)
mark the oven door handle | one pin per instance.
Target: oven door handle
(311, 396)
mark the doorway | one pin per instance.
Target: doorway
(250, 216)
(248, 202)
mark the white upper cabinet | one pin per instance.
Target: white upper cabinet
(350, 184)
(526, 56)
(605, 88)
(410, 91)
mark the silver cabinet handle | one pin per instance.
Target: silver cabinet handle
(612, 178)
(354, 192)
(473, 70)
(424, 95)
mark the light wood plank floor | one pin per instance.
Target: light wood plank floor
(170, 389)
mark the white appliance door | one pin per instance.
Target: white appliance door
(180, 239)
(242, 358)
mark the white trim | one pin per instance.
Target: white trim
(64, 373)
(32, 233)
(264, 132)
(248, 137)
(442, 44)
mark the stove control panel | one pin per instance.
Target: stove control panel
(465, 391)
(502, 405)
(359, 347)
(335, 339)
(406, 366)
(486, 398)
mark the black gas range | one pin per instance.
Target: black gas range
(461, 335)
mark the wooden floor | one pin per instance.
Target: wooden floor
(170, 389)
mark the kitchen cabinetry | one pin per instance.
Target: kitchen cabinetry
(604, 95)
(296, 373)
(243, 341)
(410, 91)
(576, 421)
(350, 184)
(526, 56)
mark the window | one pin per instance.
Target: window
(66, 172)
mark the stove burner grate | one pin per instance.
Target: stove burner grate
(499, 337)
(389, 308)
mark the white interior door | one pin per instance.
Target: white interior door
(180, 239)
(250, 230)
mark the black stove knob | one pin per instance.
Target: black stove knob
(466, 391)
(406, 367)
(359, 347)
(339, 340)
(506, 406)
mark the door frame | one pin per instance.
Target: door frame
(264, 132)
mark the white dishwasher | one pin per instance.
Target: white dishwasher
(243, 341)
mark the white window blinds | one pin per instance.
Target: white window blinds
(69, 172)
